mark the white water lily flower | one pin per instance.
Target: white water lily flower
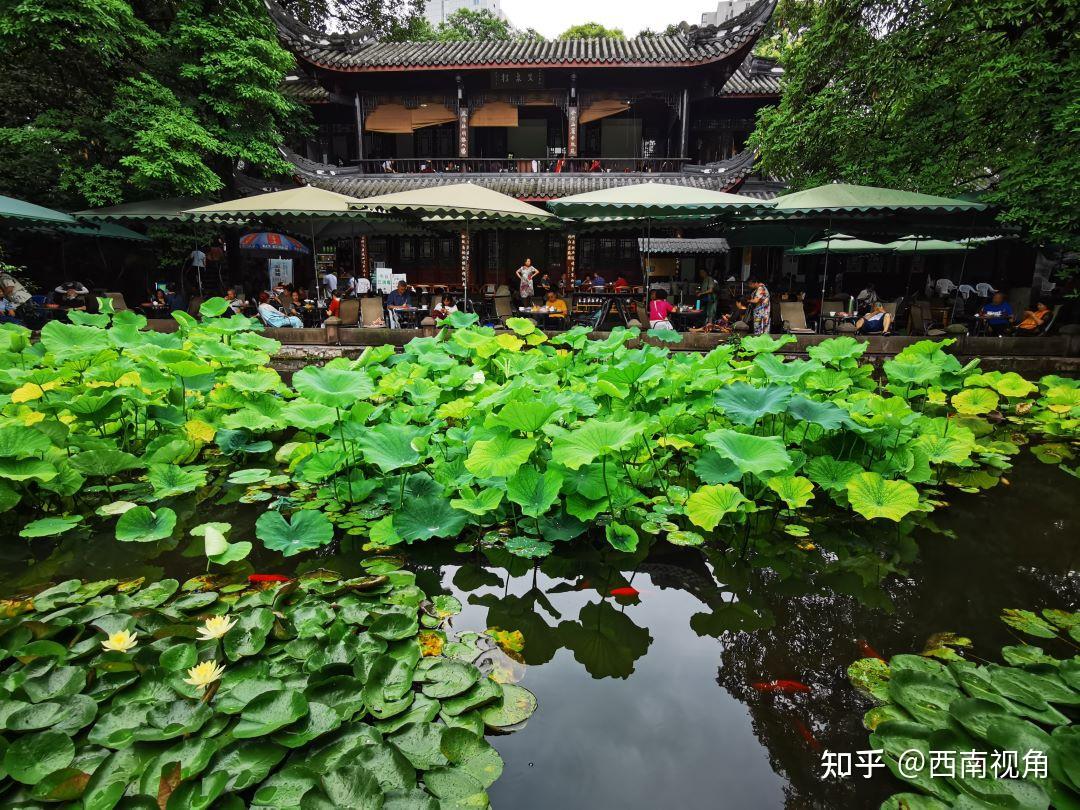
(121, 641)
(204, 674)
(477, 378)
(215, 627)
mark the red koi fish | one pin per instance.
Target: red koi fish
(785, 687)
(267, 578)
(627, 591)
(868, 651)
(807, 735)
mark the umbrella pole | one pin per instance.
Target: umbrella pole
(963, 264)
(824, 280)
(648, 256)
(466, 257)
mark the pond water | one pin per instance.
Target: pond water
(648, 700)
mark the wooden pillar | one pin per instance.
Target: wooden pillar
(572, 131)
(684, 130)
(359, 131)
(466, 257)
(463, 132)
(571, 263)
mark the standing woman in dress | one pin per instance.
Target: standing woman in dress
(526, 273)
(760, 307)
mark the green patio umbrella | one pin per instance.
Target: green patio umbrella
(168, 210)
(457, 204)
(836, 243)
(303, 203)
(845, 198)
(104, 230)
(914, 244)
(653, 201)
(19, 212)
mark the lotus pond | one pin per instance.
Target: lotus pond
(678, 554)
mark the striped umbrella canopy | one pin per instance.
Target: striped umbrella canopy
(270, 240)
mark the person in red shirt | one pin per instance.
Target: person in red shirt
(335, 305)
(621, 284)
(659, 310)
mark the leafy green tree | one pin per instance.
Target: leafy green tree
(113, 100)
(466, 24)
(939, 96)
(591, 30)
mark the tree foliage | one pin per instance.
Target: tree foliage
(113, 100)
(591, 30)
(938, 96)
(466, 24)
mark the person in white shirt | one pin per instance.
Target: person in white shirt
(13, 290)
(198, 259)
(329, 281)
(360, 285)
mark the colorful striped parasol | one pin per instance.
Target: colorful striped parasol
(269, 240)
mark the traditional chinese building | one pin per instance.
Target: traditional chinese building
(536, 120)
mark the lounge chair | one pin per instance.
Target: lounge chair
(371, 312)
(119, 304)
(503, 308)
(349, 312)
(793, 319)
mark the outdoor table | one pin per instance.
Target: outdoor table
(605, 301)
(409, 317)
(682, 320)
(154, 311)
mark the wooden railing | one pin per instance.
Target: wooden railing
(475, 165)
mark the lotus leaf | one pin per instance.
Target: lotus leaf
(751, 454)
(745, 404)
(141, 525)
(50, 526)
(499, 457)
(306, 530)
(594, 439)
(390, 447)
(710, 504)
(875, 497)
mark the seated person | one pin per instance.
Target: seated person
(621, 284)
(875, 322)
(296, 303)
(866, 300)
(555, 305)
(598, 283)
(397, 300)
(7, 311)
(71, 295)
(236, 304)
(444, 308)
(997, 315)
(272, 316)
(1034, 320)
(334, 306)
(158, 301)
(659, 310)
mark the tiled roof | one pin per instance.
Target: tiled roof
(754, 77)
(522, 186)
(305, 89)
(356, 52)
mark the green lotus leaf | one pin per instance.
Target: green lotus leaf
(270, 712)
(524, 415)
(17, 442)
(528, 547)
(594, 439)
(309, 415)
(306, 530)
(835, 350)
(794, 490)
(170, 480)
(390, 447)
(780, 371)
(254, 381)
(141, 525)
(104, 463)
(912, 370)
(621, 537)
(424, 518)
(829, 380)
(1012, 385)
(827, 414)
(751, 454)
(1030, 623)
(831, 474)
(761, 344)
(713, 468)
(213, 307)
(68, 341)
(745, 404)
(710, 504)
(499, 457)
(975, 401)
(333, 387)
(460, 320)
(31, 758)
(533, 491)
(50, 526)
(875, 497)
(479, 503)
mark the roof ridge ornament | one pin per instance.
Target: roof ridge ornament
(759, 13)
(290, 27)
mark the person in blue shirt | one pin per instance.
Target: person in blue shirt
(997, 315)
(397, 300)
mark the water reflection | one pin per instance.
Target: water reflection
(645, 666)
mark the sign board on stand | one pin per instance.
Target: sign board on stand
(281, 271)
(384, 280)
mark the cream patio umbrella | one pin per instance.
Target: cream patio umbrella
(455, 203)
(654, 201)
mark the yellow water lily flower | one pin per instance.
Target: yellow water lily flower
(215, 627)
(204, 674)
(121, 641)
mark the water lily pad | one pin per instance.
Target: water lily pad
(31, 758)
(270, 712)
(50, 526)
(306, 530)
(516, 705)
(141, 525)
